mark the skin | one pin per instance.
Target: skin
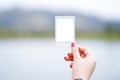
(82, 63)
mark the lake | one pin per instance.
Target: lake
(42, 59)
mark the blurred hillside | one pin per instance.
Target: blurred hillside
(17, 22)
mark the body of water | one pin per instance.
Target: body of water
(42, 59)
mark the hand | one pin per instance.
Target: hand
(82, 62)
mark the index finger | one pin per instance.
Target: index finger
(84, 50)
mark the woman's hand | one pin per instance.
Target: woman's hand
(82, 62)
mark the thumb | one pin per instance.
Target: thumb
(75, 51)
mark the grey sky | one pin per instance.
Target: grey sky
(101, 8)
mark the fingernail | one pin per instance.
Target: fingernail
(68, 54)
(70, 66)
(64, 57)
(72, 44)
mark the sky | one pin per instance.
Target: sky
(109, 9)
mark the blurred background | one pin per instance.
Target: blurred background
(27, 32)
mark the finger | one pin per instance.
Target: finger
(75, 51)
(82, 55)
(70, 55)
(68, 59)
(84, 51)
